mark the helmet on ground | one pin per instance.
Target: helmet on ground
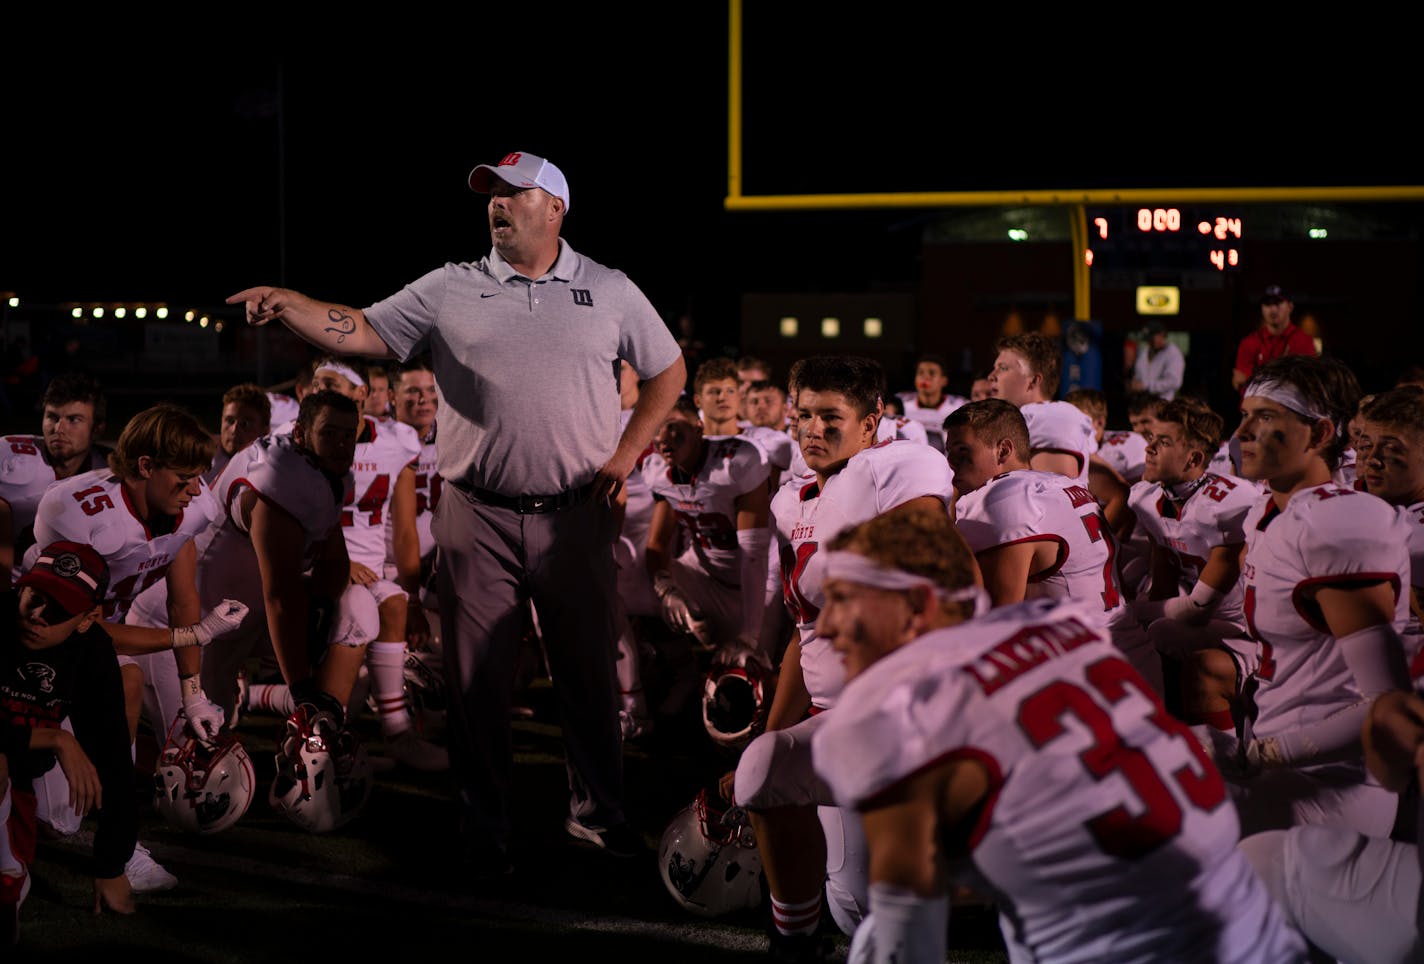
(709, 861)
(732, 704)
(203, 787)
(323, 775)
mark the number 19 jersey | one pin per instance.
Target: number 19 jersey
(806, 516)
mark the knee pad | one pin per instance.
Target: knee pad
(773, 771)
(357, 618)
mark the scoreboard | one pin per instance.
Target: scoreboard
(1166, 238)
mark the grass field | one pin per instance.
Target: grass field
(391, 881)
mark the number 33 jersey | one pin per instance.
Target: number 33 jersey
(1106, 834)
(94, 508)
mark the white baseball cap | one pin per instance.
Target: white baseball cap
(522, 170)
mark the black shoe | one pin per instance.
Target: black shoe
(619, 841)
(798, 948)
(487, 863)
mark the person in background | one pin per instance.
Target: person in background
(1161, 368)
(246, 417)
(1276, 336)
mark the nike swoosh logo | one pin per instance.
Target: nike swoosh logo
(489, 294)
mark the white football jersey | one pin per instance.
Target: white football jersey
(428, 484)
(1063, 428)
(1126, 452)
(874, 480)
(383, 449)
(1412, 519)
(890, 427)
(932, 417)
(93, 507)
(284, 408)
(1326, 535)
(777, 446)
(705, 503)
(25, 473)
(1026, 505)
(1212, 516)
(285, 477)
(1107, 835)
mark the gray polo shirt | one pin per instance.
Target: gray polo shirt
(527, 370)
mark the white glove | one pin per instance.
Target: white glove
(225, 617)
(205, 718)
(677, 611)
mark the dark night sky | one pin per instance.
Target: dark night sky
(130, 182)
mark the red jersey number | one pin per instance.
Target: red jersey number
(94, 506)
(1118, 831)
(1100, 531)
(803, 611)
(378, 493)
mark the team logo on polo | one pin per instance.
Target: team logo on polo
(582, 296)
(67, 564)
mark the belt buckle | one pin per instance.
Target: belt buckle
(537, 503)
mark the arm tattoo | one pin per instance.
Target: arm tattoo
(342, 324)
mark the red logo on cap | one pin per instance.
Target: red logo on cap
(510, 159)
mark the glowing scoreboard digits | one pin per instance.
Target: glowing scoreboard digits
(1167, 237)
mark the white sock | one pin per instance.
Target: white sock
(271, 698)
(799, 918)
(387, 665)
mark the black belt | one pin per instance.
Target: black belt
(530, 504)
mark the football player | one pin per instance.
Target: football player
(1018, 744)
(1035, 533)
(143, 515)
(1391, 465)
(808, 846)
(246, 417)
(931, 400)
(1325, 576)
(278, 547)
(1025, 374)
(1109, 468)
(72, 422)
(383, 471)
(713, 492)
(379, 396)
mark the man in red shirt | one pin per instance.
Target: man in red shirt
(1277, 336)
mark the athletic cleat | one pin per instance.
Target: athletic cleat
(146, 875)
(409, 748)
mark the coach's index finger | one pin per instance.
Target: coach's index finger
(259, 311)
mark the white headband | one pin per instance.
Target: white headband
(1287, 395)
(344, 371)
(853, 567)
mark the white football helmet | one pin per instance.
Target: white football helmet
(323, 773)
(203, 787)
(709, 859)
(732, 704)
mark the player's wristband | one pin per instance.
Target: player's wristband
(189, 686)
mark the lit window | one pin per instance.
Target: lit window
(830, 327)
(873, 328)
(789, 327)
